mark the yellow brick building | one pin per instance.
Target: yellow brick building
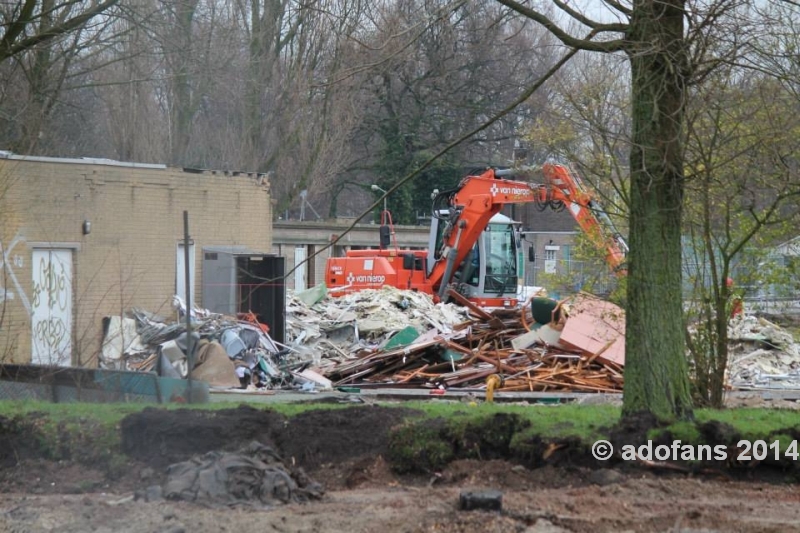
(82, 239)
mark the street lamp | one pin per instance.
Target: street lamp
(376, 188)
(386, 229)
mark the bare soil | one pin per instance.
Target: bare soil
(345, 451)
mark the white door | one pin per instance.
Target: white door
(51, 307)
(300, 271)
(180, 273)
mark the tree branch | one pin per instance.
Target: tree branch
(580, 17)
(9, 48)
(15, 29)
(574, 42)
(619, 7)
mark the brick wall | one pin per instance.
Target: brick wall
(129, 257)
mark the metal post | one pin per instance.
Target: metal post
(377, 188)
(187, 282)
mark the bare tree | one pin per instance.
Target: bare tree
(42, 42)
(672, 46)
(184, 82)
(653, 38)
(744, 183)
(586, 123)
(429, 71)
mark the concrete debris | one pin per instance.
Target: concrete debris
(762, 355)
(333, 330)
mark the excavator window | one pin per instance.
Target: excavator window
(501, 260)
(411, 262)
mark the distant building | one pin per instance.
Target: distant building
(548, 239)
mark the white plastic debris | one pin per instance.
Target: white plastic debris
(336, 328)
(762, 355)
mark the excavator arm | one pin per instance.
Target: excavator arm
(563, 186)
(478, 198)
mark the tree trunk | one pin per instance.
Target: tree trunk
(184, 105)
(720, 360)
(656, 377)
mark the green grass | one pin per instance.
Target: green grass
(104, 413)
(84, 431)
(753, 423)
(112, 413)
(683, 431)
(746, 423)
(556, 421)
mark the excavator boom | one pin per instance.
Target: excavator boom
(561, 185)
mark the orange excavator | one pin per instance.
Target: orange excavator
(473, 248)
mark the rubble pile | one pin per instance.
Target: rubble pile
(527, 354)
(761, 355)
(327, 330)
(229, 352)
(384, 338)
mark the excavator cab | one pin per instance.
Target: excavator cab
(498, 248)
(489, 274)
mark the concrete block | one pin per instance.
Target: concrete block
(482, 500)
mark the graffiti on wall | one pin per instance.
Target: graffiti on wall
(50, 292)
(50, 287)
(51, 301)
(10, 288)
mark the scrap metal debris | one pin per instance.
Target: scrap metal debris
(227, 352)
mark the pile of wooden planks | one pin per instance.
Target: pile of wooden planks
(478, 348)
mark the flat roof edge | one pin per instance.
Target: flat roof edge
(5, 154)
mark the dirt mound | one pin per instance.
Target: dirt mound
(508, 475)
(161, 437)
(317, 437)
(633, 429)
(12, 440)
